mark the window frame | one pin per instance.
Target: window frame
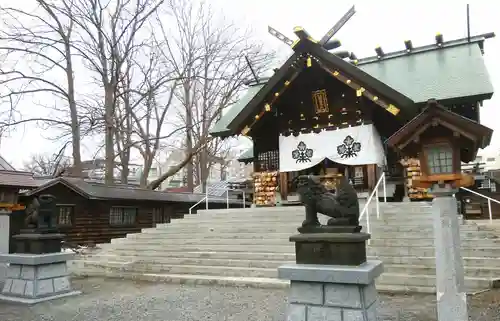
(429, 151)
(123, 221)
(72, 208)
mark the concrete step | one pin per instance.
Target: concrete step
(472, 284)
(470, 271)
(376, 229)
(271, 240)
(467, 251)
(429, 251)
(386, 282)
(253, 268)
(253, 282)
(144, 267)
(410, 206)
(428, 241)
(222, 255)
(199, 247)
(259, 235)
(431, 261)
(265, 260)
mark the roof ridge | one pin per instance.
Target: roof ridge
(426, 48)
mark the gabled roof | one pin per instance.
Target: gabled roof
(220, 127)
(435, 112)
(103, 192)
(290, 68)
(453, 70)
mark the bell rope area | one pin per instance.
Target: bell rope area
(360, 191)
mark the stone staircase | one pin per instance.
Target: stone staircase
(245, 247)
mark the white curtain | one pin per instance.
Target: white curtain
(358, 145)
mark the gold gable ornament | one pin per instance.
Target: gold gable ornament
(320, 101)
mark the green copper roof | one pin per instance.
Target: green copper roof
(456, 70)
(221, 126)
(445, 73)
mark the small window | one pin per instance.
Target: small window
(153, 172)
(440, 159)
(490, 159)
(65, 215)
(122, 216)
(358, 172)
(160, 216)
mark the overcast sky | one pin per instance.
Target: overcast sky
(385, 23)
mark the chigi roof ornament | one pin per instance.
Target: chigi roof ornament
(326, 41)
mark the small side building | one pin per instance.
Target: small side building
(92, 213)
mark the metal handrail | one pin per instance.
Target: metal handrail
(206, 198)
(484, 196)
(373, 193)
(191, 208)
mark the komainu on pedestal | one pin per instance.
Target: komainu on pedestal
(340, 241)
(342, 207)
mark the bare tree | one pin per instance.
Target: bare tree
(108, 33)
(47, 165)
(37, 61)
(210, 53)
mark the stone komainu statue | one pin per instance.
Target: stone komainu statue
(32, 213)
(342, 207)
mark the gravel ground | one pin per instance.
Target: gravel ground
(106, 299)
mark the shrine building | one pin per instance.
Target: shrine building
(329, 114)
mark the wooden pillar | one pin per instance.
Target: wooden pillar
(372, 176)
(283, 183)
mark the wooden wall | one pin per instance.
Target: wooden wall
(90, 221)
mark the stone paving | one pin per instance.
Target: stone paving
(108, 299)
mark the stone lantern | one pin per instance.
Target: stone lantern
(443, 140)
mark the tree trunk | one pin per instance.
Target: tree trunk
(108, 140)
(73, 111)
(148, 162)
(189, 137)
(125, 159)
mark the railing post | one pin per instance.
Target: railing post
(244, 199)
(206, 197)
(368, 223)
(377, 202)
(385, 192)
(489, 209)
(227, 198)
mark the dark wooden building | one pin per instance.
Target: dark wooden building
(92, 213)
(326, 115)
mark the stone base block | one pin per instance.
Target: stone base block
(330, 248)
(332, 293)
(33, 278)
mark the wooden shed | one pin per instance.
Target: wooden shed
(92, 213)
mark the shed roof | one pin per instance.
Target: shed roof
(103, 192)
(17, 179)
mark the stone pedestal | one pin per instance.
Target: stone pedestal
(33, 278)
(332, 292)
(450, 280)
(34, 242)
(338, 246)
(4, 241)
